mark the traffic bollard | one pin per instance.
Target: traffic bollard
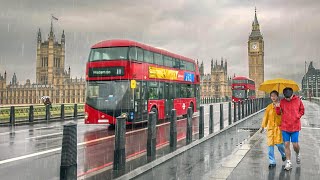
(119, 161)
(234, 112)
(242, 109)
(221, 117)
(68, 167)
(75, 111)
(189, 126)
(173, 130)
(211, 125)
(12, 115)
(62, 112)
(229, 114)
(31, 113)
(239, 111)
(201, 123)
(152, 137)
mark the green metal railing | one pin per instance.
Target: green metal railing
(38, 112)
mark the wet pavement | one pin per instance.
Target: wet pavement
(200, 160)
(35, 150)
(255, 164)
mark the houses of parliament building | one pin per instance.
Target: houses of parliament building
(51, 77)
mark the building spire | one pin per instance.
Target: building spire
(255, 26)
(63, 37)
(39, 36)
(51, 29)
(255, 22)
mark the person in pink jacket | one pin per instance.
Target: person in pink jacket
(291, 109)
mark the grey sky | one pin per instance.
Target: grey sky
(198, 29)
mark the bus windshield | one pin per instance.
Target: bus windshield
(112, 53)
(109, 95)
(239, 93)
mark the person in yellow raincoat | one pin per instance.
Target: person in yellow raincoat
(271, 121)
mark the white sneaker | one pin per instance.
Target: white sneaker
(298, 158)
(288, 165)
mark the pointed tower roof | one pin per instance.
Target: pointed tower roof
(255, 22)
(255, 33)
(51, 30)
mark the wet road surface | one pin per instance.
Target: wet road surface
(33, 152)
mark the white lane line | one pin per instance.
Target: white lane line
(26, 130)
(309, 128)
(28, 156)
(47, 135)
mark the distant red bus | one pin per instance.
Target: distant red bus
(128, 77)
(242, 88)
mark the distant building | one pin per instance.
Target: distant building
(311, 82)
(51, 77)
(216, 84)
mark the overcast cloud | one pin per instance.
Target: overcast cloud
(198, 29)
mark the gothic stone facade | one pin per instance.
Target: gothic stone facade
(256, 56)
(216, 84)
(51, 77)
(311, 82)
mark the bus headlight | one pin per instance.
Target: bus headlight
(86, 115)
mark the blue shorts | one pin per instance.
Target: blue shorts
(294, 136)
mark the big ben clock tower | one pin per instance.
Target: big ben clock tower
(256, 55)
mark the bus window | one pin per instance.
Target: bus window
(167, 61)
(183, 91)
(190, 91)
(176, 63)
(153, 90)
(182, 65)
(136, 54)
(108, 53)
(158, 59)
(189, 66)
(148, 56)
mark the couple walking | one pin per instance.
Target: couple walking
(282, 121)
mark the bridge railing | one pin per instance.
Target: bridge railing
(209, 100)
(33, 113)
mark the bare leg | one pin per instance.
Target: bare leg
(287, 150)
(296, 147)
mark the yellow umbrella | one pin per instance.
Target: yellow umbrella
(278, 84)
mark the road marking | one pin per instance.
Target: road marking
(26, 130)
(45, 127)
(309, 128)
(47, 135)
(28, 156)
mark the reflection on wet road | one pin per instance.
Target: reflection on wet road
(35, 150)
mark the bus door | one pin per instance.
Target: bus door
(140, 102)
(169, 97)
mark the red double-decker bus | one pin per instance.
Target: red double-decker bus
(128, 77)
(242, 88)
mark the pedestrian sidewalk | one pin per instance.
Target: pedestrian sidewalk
(255, 163)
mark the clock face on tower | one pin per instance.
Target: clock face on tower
(254, 46)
